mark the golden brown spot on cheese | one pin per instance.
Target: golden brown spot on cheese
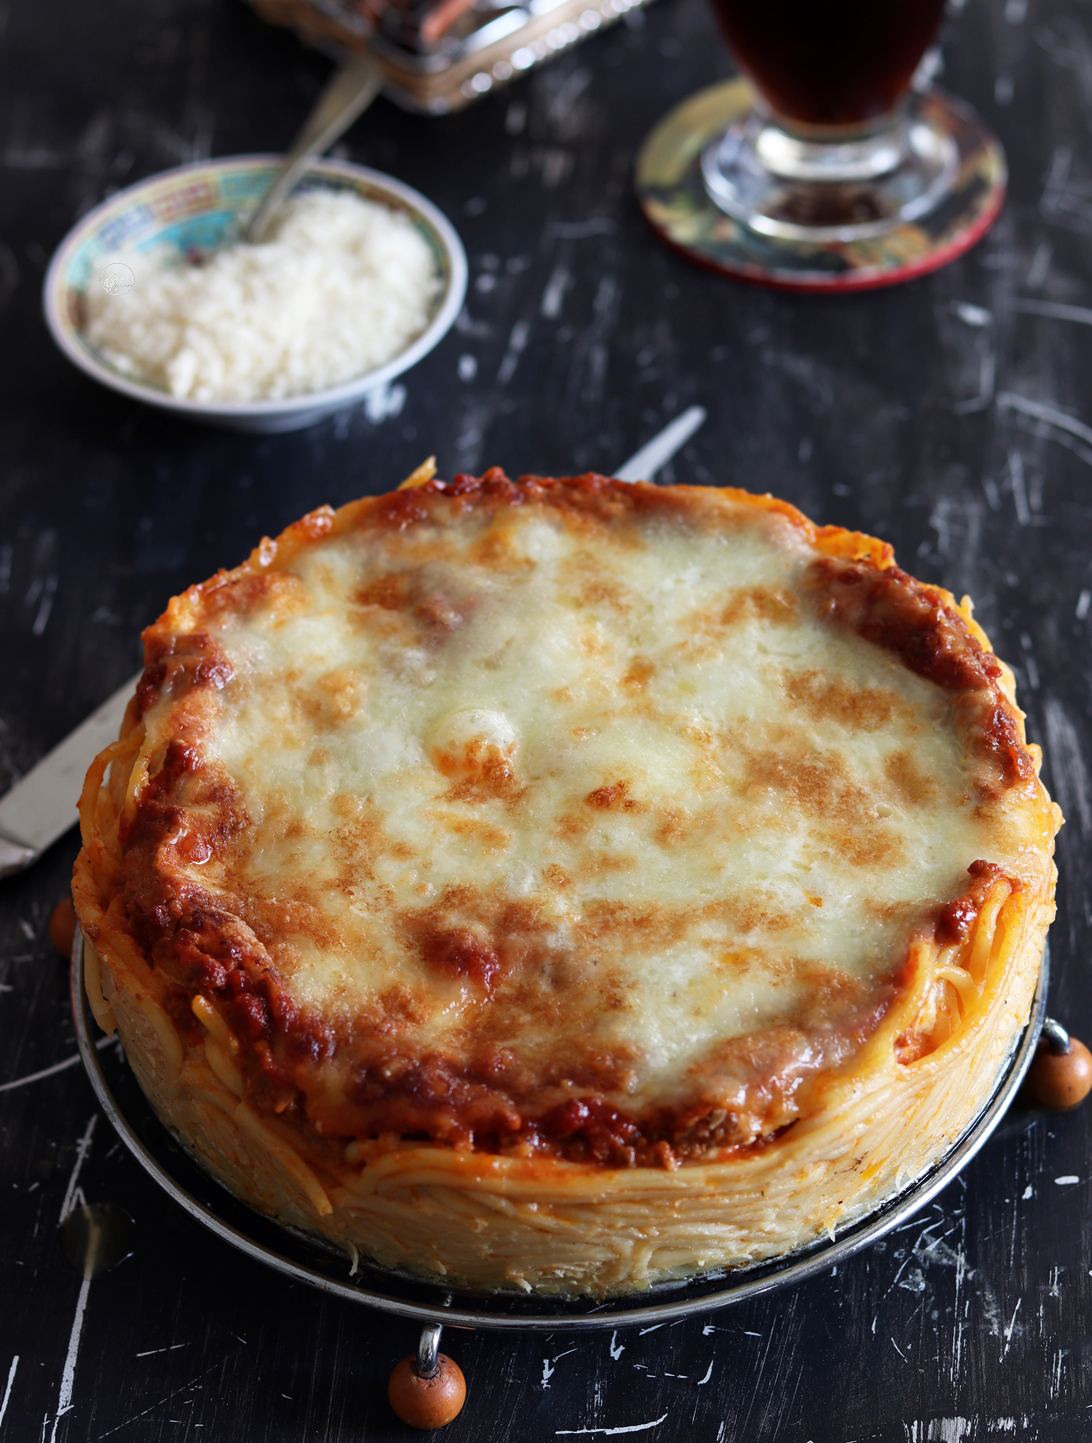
(613, 797)
(391, 592)
(495, 780)
(492, 838)
(460, 953)
(592, 643)
(816, 783)
(599, 864)
(874, 847)
(707, 629)
(498, 551)
(639, 671)
(604, 591)
(399, 1003)
(762, 603)
(910, 783)
(673, 826)
(280, 594)
(333, 699)
(474, 757)
(833, 699)
(612, 925)
(436, 612)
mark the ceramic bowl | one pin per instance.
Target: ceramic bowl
(199, 207)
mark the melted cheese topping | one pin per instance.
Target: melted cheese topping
(581, 804)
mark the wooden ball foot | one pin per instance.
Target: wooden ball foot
(1060, 1075)
(62, 926)
(427, 1402)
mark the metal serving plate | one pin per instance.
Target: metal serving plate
(300, 1257)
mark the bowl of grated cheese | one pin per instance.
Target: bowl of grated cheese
(154, 295)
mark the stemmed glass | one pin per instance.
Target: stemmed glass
(836, 147)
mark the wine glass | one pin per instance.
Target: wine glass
(837, 146)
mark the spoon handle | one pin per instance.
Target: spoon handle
(349, 92)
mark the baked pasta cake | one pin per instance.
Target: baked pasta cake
(566, 885)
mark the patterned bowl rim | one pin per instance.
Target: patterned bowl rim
(58, 285)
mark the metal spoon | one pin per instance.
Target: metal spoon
(349, 92)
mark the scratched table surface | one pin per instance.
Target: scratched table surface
(952, 416)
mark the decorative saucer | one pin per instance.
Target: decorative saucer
(673, 196)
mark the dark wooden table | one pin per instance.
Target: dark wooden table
(952, 416)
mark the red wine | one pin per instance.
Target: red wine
(829, 62)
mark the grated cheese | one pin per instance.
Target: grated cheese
(342, 286)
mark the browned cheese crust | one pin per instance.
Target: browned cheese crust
(456, 1152)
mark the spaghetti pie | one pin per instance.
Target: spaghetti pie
(565, 884)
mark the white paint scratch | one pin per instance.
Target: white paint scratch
(1040, 265)
(550, 1364)
(972, 315)
(1061, 163)
(1084, 601)
(1008, 1330)
(1049, 416)
(612, 1432)
(1056, 311)
(1067, 1180)
(49, 1072)
(553, 296)
(167, 1398)
(939, 1430)
(68, 1376)
(49, 590)
(37, 1076)
(958, 524)
(517, 340)
(7, 1390)
(1019, 490)
(708, 1374)
(1057, 1372)
(384, 402)
(83, 1147)
(616, 1348)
